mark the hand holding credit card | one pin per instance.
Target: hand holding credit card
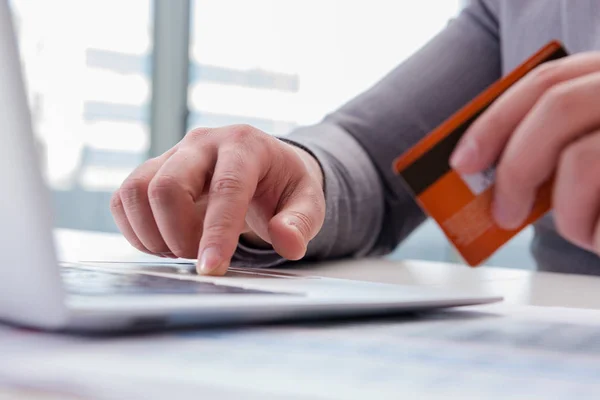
(461, 204)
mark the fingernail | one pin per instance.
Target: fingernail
(291, 221)
(464, 154)
(209, 260)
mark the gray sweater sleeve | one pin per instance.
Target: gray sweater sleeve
(368, 211)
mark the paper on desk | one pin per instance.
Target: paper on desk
(486, 352)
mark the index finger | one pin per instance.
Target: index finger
(486, 138)
(231, 189)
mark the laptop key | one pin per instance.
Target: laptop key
(82, 281)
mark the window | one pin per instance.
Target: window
(87, 67)
(279, 64)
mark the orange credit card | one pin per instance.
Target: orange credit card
(461, 204)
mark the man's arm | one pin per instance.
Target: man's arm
(368, 211)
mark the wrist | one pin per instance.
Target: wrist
(312, 165)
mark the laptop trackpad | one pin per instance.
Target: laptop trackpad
(91, 281)
(187, 268)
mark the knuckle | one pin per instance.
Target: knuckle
(115, 201)
(559, 99)
(249, 141)
(161, 186)
(241, 131)
(546, 75)
(245, 136)
(227, 184)
(487, 123)
(133, 190)
(216, 232)
(197, 133)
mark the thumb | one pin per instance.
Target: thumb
(298, 221)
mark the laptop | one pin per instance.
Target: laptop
(38, 291)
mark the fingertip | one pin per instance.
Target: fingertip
(209, 261)
(509, 217)
(219, 271)
(287, 240)
(465, 157)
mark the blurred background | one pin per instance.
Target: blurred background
(113, 82)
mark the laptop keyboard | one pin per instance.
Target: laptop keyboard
(82, 281)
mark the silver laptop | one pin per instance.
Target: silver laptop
(38, 291)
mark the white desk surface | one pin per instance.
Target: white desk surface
(516, 286)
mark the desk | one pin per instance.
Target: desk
(517, 286)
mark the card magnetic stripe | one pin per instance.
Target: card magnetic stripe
(434, 164)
